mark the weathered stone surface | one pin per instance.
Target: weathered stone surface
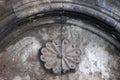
(99, 59)
(27, 26)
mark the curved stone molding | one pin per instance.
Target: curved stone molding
(60, 56)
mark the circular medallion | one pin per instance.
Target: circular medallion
(60, 56)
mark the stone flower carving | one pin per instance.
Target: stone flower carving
(60, 56)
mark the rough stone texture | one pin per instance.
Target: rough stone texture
(21, 43)
(99, 59)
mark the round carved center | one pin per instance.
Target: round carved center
(60, 56)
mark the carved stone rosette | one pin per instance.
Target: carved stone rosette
(60, 56)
